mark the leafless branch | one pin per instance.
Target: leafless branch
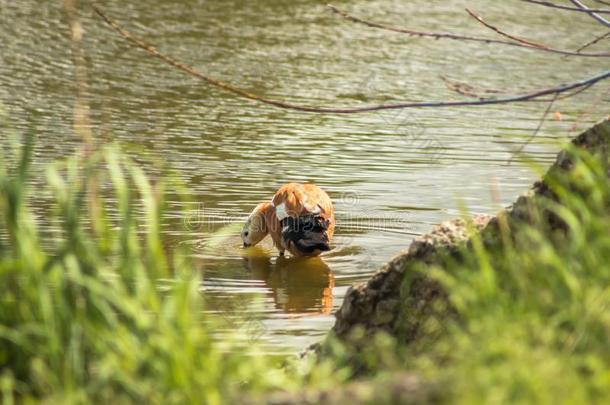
(416, 33)
(505, 34)
(517, 42)
(607, 3)
(573, 93)
(538, 94)
(518, 39)
(468, 90)
(568, 8)
(593, 15)
(594, 41)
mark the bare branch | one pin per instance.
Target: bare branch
(505, 34)
(573, 93)
(593, 15)
(347, 110)
(468, 90)
(607, 3)
(568, 8)
(521, 40)
(594, 41)
(416, 33)
(521, 43)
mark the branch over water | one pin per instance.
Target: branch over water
(536, 95)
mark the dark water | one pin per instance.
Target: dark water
(392, 175)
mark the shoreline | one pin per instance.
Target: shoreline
(375, 305)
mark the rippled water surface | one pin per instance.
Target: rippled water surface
(392, 175)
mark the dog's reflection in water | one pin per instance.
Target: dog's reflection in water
(298, 285)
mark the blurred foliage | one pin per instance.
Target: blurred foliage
(526, 317)
(84, 319)
(533, 300)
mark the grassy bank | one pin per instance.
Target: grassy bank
(520, 313)
(531, 301)
(524, 316)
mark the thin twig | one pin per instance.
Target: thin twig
(607, 3)
(507, 35)
(593, 15)
(347, 110)
(521, 43)
(416, 33)
(540, 123)
(466, 89)
(573, 93)
(594, 41)
(568, 8)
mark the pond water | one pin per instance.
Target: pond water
(392, 175)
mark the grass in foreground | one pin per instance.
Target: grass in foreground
(82, 318)
(533, 305)
(527, 313)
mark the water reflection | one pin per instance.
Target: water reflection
(297, 285)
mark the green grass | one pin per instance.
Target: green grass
(527, 313)
(533, 303)
(82, 318)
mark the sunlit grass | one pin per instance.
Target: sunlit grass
(527, 313)
(83, 319)
(533, 305)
